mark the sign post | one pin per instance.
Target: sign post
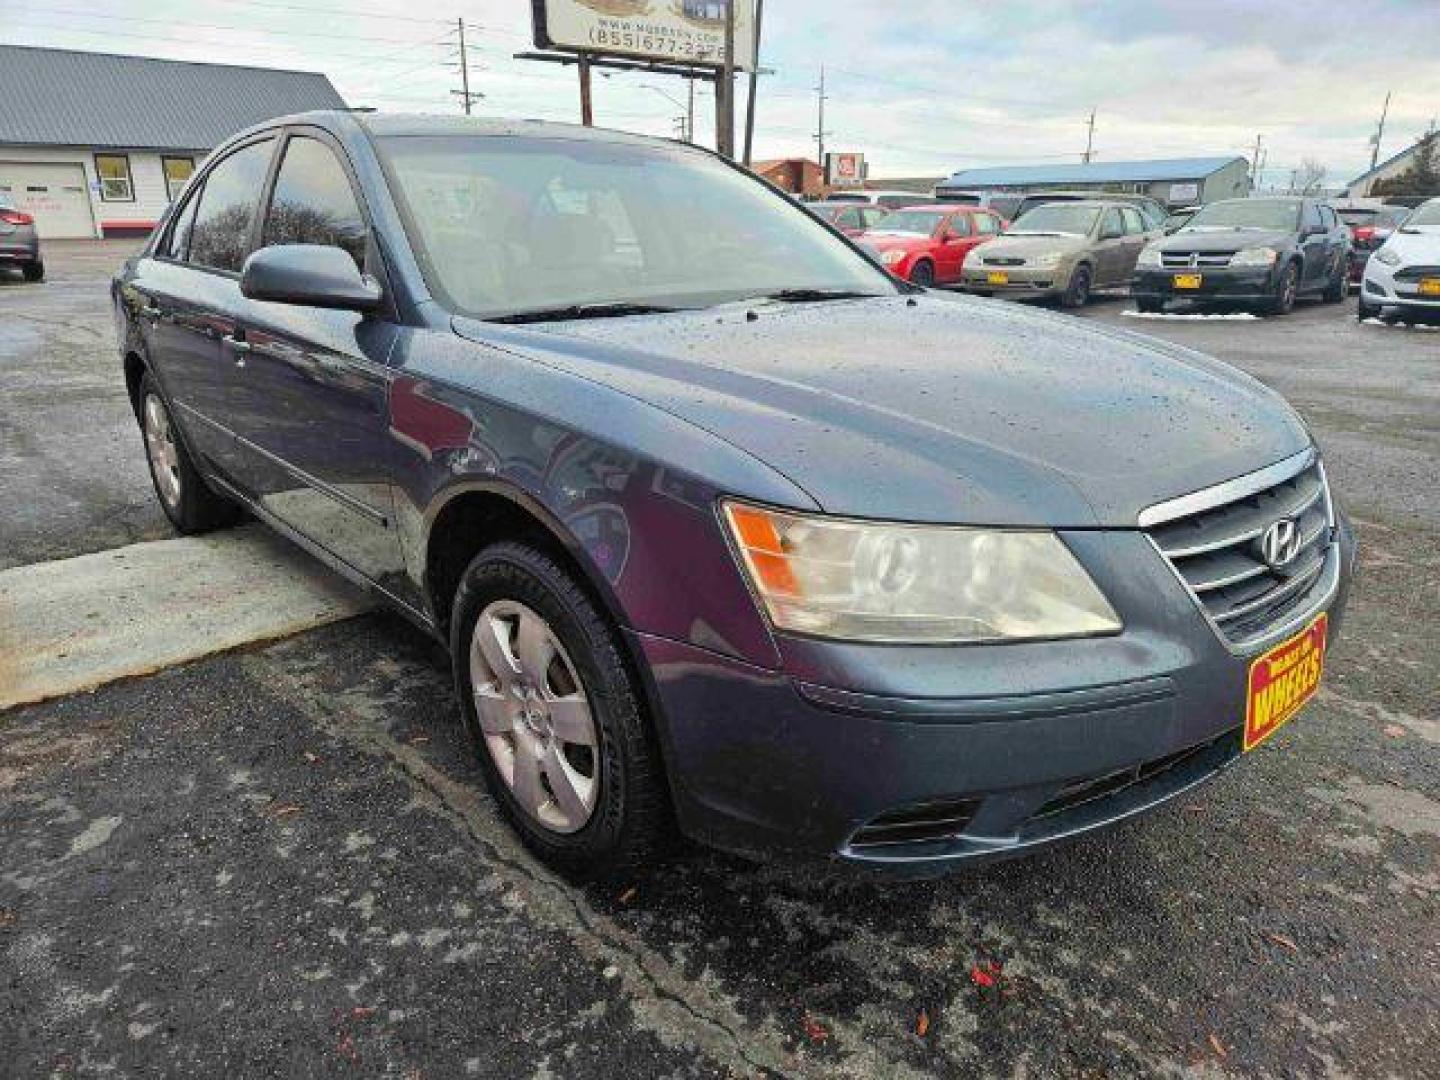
(587, 110)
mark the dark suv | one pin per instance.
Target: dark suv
(628, 430)
(1256, 253)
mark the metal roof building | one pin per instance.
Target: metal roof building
(1174, 181)
(96, 144)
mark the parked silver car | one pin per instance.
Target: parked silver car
(1062, 249)
(19, 242)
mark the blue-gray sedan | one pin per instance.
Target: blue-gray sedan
(723, 526)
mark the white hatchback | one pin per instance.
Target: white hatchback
(1404, 273)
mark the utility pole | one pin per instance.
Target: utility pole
(820, 131)
(1089, 138)
(754, 78)
(1379, 131)
(725, 90)
(1255, 165)
(464, 94)
(587, 108)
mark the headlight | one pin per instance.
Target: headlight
(923, 584)
(1149, 256)
(1388, 256)
(1256, 256)
(890, 258)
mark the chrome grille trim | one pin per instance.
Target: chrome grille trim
(1183, 260)
(1208, 540)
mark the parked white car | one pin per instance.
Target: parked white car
(1404, 273)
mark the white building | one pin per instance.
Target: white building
(96, 145)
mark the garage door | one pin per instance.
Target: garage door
(53, 193)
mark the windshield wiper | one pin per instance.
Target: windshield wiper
(570, 312)
(802, 296)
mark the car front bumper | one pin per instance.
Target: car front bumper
(1023, 281)
(1386, 286)
(1242, 284)
(1016, 746)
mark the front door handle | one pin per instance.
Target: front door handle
(240, 348)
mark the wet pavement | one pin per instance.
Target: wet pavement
(280, 861)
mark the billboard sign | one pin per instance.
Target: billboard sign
(844, 170)
(673, 31)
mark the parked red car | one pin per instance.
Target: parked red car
(849, 217)
(927, 245)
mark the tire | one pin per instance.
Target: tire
(1286, 289)
(1149, 305)
(923, 274)
(1335, 291)
(186, 498)
(1365, 311)
(1077, 292)
(34, 271)
(615, 813)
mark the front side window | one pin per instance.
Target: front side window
(1062, 219)
(1113, 225)
(313, 202)
(511, 225)
(178, 242)
(220, 238)
(177, 171)
(960, 225)
(113, 170)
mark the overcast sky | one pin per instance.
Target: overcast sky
(922, 87)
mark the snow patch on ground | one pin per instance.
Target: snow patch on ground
(1231, 315)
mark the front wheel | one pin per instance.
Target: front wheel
(923, 275)
(34, 271)
(187, 500)
(556, 718)
(1283, 301)
(1077, 293)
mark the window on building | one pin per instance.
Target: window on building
(114, 173)
(177, 171)
(314, 203)
(220, 237)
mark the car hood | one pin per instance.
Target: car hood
(1414, 248)
(1226, 239)
(936, 408)
(887, 241)
(1027, 247)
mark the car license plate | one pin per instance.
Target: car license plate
(998, 277)
(1188, 281)
(1283, 680)
(1430, 286)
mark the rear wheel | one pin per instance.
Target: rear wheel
(1364, 310)
(1335, 289)
(34, 271)
(923, 275)
(187, 500)
(1283, 300)
(556, 718)
(1077, 293)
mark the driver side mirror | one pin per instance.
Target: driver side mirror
(308, 275)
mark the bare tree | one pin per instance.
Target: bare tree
(1310, 176)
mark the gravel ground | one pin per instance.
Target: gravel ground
(279, 862)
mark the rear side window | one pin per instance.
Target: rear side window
(220, 238)
(1134, 223)
(1112, 223)
(313, 202)
(960, 225)
(986, 225)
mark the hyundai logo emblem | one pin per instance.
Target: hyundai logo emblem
(1280, 543)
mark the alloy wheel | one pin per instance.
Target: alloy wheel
(160, 448)
(535, 716)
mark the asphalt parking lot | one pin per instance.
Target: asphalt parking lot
(278, 860)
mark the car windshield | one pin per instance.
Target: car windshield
(918, 222)
(1425, 217)
(1248, 214)
(1057, 219)
(508, 226)
(1358, 216)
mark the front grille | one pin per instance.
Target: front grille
(1003, 260)
(1415, 273)
(1183, 260)
(1217, 552)
(942, 820)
